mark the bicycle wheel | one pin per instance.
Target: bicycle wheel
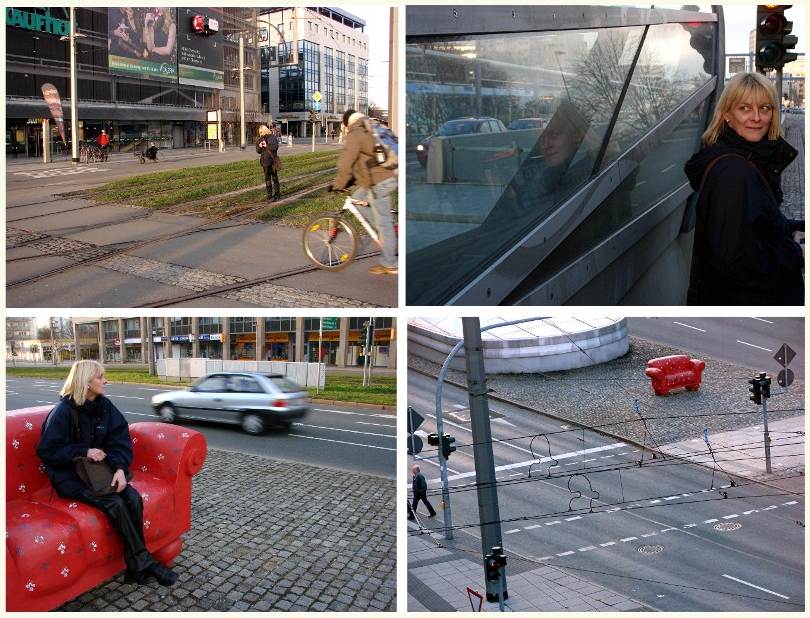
(330, 241)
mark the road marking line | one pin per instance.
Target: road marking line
(730, 516)
(751, 511)
(608, 456)
(654, 501)
(142, 414)
(667, 530)
(156, 390)
(762, 320)
(572, 464)
(365, 433)
(758, 347)
(757, 587)
(129, 397)
(629, 538)
(374, 424)
(552, 523)
(532, 527)
(666, 169)
(546, 558)
(525, 464)
(565, 553)
(644, 536)
(672, 498)
(608, 544)
(789, 503)
(770, 508)
(574, 518)
(692, 327)
(382, 448)
(710, 521)
(509, 444)
(426, 460)
(512, 531)
(587, 460)
(588, 548)
(689, 525)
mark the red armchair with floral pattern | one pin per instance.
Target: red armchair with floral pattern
(56, 549)
(675, 371)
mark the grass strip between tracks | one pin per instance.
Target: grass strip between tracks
(339, 387)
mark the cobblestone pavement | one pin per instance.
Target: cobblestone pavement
(603, 395)
(272, 295)
(195, 279)
(271, 535)
(793, 177)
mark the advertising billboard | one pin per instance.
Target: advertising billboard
(200, 59)
(143, 42)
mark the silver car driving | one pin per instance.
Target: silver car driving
(255, 401)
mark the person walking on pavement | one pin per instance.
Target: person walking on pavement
(419, 485)
(85, 423)
(376, 184)
(267, 147)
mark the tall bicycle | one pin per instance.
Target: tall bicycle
(331, 240)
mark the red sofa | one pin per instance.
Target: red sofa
(56, 549)
(675, 371)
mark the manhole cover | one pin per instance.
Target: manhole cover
(728, 526)
(650, 549)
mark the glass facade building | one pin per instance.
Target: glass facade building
(537, 177)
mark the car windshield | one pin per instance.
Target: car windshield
(458, 127)
(286, 386)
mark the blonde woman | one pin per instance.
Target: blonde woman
(745, 251)
(99, 431)
(267, 147)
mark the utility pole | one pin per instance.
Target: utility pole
(760, 393)
(150, 325)
(242, 90)
(488, 511)
(393, 71)
(74, 92)
(53, 342)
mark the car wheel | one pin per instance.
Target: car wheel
(167, 413)
(252, 424)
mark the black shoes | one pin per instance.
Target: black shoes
(134, 577)
(164, 576)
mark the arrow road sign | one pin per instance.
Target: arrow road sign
(784, 355)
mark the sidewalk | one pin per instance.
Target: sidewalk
(440, 577)
(270, 535)
(793, 176)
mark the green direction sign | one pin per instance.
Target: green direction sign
(330, 323)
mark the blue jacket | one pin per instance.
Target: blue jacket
(101, 426)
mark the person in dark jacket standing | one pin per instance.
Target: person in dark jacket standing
(419, 485)
(102, 435)
(745, 251)
(267, 147)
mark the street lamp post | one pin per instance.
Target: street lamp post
(74, 92)
(241, 90)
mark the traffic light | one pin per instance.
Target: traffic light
(773, 37)
(414, 421)
(447, 440)
(756, 389)
(492, 564)
(313, 117)
(701, 39)
(765, 385)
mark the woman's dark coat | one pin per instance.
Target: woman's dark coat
(744, 253)
(101, 426)
(269, 153)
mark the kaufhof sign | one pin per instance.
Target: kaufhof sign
(39, 22)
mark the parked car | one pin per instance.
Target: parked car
(460, 126)
(255, 401)
(528, 123)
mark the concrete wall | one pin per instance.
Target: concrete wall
(529, 355)
(305, 374)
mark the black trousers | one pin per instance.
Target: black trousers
(271, 182)
(125, 512)
(415, 503)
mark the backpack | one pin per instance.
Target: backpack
(386, 145)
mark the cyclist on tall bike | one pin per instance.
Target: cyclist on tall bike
(375, 184)
(104, 144)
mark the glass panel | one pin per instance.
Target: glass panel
(472, 196)
(285, 385)
(214, 384)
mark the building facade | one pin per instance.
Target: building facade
(126, 339)
(330, 57)
(143, 74)
(21, 334)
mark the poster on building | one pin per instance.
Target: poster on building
(143, 42)
(200, 56)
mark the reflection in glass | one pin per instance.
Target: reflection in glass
(474, 187)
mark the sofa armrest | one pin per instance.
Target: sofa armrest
(698, 366)
(653, 372)
(167, 451)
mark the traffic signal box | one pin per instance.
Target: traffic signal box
(773, 37)
(444, 442)
(760, 387)
(313, 117)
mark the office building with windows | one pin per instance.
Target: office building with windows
(305, 50)
(126, 339)
(144, 74)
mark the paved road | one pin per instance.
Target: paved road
(751, 341)
(343, 437)
(657, 542)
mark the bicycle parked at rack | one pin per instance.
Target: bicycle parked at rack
(89, 153)
(331, 241)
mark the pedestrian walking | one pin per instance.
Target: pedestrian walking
(104, 144)
(85, 423)
(745, 251)
(267, 147)
(419, 486)
(376, 184)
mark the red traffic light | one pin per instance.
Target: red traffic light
(774, 24)
(198, 23)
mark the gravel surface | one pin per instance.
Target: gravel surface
(603, 396)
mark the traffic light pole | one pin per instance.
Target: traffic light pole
(448, 516)
(767, 436)
(488, 510)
